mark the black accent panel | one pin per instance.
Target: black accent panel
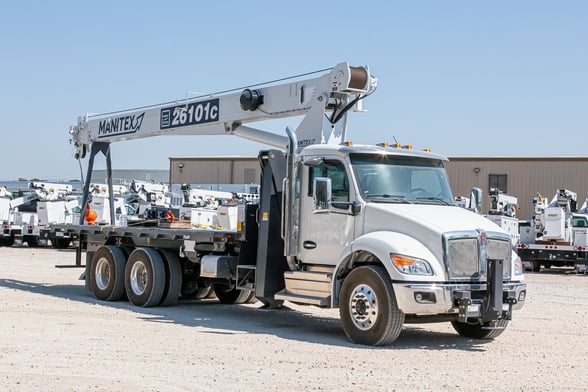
(271, 262)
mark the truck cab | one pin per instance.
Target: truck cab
(391, 210)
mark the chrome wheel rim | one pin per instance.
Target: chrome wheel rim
(102, 273)
(138, 278)
(363, 307)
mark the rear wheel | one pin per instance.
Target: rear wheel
(480, 331)
(536, 266)
(227, 294)
(7, 241)
(145, 277)
(368, 307)
(32, 241)
(173, 278)
(107, 273)
(61, 243)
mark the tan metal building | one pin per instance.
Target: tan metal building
(515, 176)
(214, 170)
(520, 177)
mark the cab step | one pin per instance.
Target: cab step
(305, 287)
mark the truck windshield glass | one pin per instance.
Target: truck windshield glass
(394, 179)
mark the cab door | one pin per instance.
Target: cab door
(325, 232)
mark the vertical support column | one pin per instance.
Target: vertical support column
(271, 262)
(109, 182)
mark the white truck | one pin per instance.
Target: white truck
(503, 212)
(370, 229)
(18, 218)
(557, 233)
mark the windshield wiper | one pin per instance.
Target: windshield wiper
(438, 199)
(387, 197)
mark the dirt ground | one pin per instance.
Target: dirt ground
(55, 336)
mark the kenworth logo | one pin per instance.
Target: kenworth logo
(120, 125)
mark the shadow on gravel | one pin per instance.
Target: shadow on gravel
(286, 323)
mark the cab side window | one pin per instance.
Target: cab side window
(339, 181)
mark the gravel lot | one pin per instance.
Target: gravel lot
(54, 336)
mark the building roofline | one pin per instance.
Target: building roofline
(530, 159)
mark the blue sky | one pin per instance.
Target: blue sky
(501, 78)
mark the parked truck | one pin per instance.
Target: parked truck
(370, 229)
(503, 212)
(556, 235)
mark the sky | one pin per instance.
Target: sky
(463, 78)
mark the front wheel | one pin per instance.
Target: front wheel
(480, 331)
(368, 308)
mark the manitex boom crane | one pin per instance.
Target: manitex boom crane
(370, 229)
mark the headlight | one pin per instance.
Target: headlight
(518, 266)
(411, 265)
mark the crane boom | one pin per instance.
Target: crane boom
(226, 114)
(336, 92)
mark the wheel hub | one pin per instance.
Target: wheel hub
(102, 273)
(363, 307)
(138, 278)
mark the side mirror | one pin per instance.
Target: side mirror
(476, 200)
(322, 194)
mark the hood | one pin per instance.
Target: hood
(424, 222)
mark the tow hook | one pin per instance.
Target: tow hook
(464, 301)
(511, 299)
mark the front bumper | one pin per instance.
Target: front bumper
(443, 298)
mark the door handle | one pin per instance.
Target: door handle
(309, 244)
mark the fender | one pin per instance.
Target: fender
(381, 244)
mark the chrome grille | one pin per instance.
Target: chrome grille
(463, 257)
(499, 250)
(467, 253)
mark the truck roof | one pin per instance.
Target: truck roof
(382, 149)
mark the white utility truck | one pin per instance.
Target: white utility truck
(370, 229)
(557, 234)
(503, 212)
(18, 217)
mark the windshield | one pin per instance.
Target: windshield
(394, 179)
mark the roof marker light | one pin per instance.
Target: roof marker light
(348, 143)
(426, 149)
(407, 147)
(383, 144)
(396, 145)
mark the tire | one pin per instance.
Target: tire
(145, 277)
(477, 331)
(251, 298)
(173, 278)
(230, 294)
(536, 266)
(61, 243)
(191, 289)
(32, 241)
(8, 241)
(107, 273)
(368, 308)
